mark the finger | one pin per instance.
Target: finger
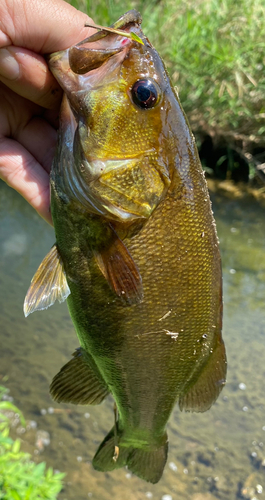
(16, 112)
(20, 170)
(41, 26)
(39, 138)
(27, 74)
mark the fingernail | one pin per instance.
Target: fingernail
(9, 67)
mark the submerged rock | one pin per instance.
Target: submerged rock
(42, 439)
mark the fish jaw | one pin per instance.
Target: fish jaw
(74, 84)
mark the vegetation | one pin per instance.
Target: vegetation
(20, 477)
(215, 53)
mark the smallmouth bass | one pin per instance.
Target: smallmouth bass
(136, 253)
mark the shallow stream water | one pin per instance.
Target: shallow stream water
(218, 454)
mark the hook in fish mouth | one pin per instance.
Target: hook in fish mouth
(131, 17)
(104, 31)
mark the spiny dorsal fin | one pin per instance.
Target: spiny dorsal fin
(204, 391)
(120, 271)
(79, 381)
(48, 284)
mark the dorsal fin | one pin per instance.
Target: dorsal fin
(48, 284)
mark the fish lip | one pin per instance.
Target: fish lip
(133, 16)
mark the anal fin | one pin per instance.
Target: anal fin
(48, 284)
(120, 270)
(79, 381)
(204, 390)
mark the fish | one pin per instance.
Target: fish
(136, 253)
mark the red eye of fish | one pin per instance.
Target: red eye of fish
(145, 93)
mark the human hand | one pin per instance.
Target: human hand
(29, 95)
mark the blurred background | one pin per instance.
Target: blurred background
(214, 52)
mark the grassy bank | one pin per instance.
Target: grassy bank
(20, 477)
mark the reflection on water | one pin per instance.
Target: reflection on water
(218, 454)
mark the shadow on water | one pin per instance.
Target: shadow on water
(219, 454)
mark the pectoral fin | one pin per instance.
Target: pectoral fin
(204, 390)
(79, 381)
(48, 284)
(121, 272)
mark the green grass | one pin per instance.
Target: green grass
(20, 477)
(214, 51)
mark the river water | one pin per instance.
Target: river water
(218, 454)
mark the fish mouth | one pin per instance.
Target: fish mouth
(103, 51)
(120, 36)
(95, 50)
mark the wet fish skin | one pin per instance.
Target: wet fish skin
(162, 344)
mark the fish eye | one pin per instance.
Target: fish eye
(145, 93)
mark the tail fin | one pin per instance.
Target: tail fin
(109, 455)
(146, 464)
